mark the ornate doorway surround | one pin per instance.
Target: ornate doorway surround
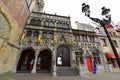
(63, 51)
(26, 61)
(44, 61)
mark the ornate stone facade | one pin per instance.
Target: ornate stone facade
(49, 36)
(106, 47)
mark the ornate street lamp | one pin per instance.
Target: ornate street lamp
(103, 23)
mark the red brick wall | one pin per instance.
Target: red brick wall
(18, 9)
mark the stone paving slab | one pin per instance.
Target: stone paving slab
(47, 76)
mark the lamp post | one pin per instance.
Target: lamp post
(103, 23)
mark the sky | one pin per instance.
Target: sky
(72, 8)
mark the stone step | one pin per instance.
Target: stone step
(66, 71)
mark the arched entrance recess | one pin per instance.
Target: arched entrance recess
(26, 61)
(44, 61)
(63, 51)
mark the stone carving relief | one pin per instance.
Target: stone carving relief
(40, 5)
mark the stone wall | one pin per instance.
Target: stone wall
(18, 9)
(9, 33)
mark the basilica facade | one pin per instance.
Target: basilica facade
(48, 39)
(46, 42)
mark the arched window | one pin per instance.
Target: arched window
(50, 35)
(44, 35)
(59, 25)
(51, 24)
(36, 22)
(96, 58)
(29, 33)
(36, 33)
(65, 25)
(46, 23)
(79, 56)
(32, 21)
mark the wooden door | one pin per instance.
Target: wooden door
(44, 64)
(64, 52)
(89, 64)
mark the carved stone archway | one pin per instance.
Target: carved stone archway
(26, 61)
(44, 61)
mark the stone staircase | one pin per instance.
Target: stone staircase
(66, 71)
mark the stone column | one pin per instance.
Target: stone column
(54, 63)
(35, 61)
(16, 61)
(80, 73)
(73, 58)
(73, 55)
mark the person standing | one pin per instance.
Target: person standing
(59, 61)
(31, 64)
(38, 63)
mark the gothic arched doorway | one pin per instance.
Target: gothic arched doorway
(63, 52)
(44, 61)
(26, 61)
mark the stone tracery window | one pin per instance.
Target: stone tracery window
(80, 56)
(44, 35)
(38, 22)
(59, 25)
(29, 33)
(62, 25)
(32, 21)
(35, 34)
(49, 24)
(35, 22)
(65, 25)
(47, 35)
(46, 23)
(96, 58)
(50, 35)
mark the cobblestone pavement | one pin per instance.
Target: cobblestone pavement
(47, 76)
